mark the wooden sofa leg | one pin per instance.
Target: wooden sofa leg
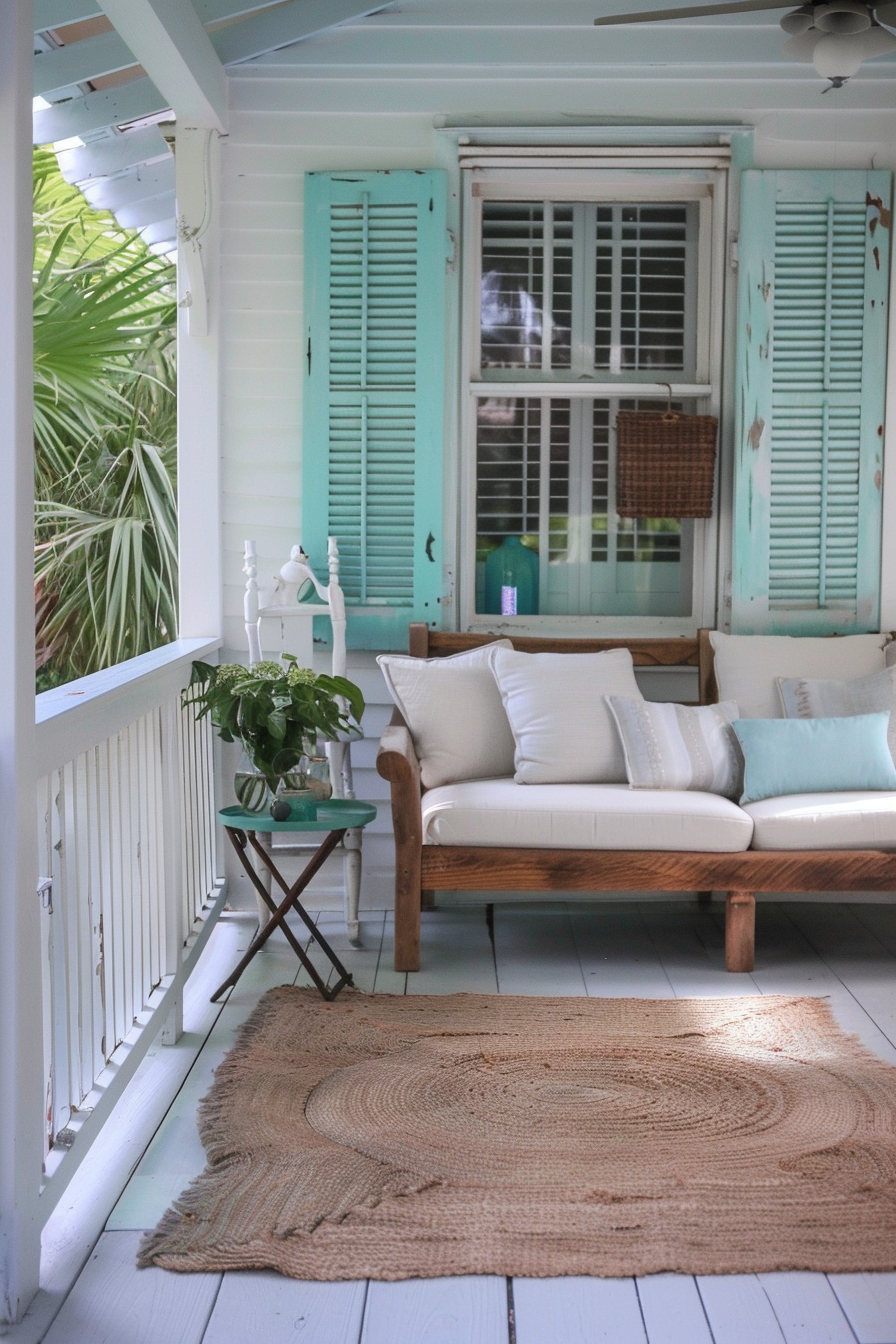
(428, 898)
(407, 918)
(740, 930)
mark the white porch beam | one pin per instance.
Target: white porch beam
(150, 210)
(109, 52)
(171, 44)
(95, 111)
(118, 152)
(286, 24)
(108, 193)
(21, 1033)
(57, 13)
(80, 61)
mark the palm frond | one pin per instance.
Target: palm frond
(105, 435)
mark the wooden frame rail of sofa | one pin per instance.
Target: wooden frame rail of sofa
(420, 868)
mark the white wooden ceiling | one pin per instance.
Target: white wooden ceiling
(109, 72)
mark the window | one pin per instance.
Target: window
(586, 293)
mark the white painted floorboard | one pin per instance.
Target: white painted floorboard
(869, 1302)
(267, 1307)
(469, 1310)
(672, 1309)
(644, 948)
(807, 1309)
(577, 1310)
(738, 1309)
(535, 951)
(115, 1303)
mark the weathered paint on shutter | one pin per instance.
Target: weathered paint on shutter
(375, 248)
(812, 332)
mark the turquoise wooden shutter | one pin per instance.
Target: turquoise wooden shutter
(812, 334)
(376, 249)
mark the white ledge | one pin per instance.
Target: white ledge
(70, 719)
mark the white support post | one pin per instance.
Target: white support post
(21, 1034)
(197, 177)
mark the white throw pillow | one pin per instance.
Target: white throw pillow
(670, 746)
(805, 698)
(561, 722)
(454, 711)
(748, 666)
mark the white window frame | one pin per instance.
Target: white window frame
(625, 179)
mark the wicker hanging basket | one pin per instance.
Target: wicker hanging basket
(665, 464)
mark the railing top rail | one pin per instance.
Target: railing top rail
(70, 719)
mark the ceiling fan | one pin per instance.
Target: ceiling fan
(836, 36)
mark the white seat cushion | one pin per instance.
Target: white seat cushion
(502, 813)
(855, 820)
(748, 666)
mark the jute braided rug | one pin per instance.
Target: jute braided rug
(395, 1137)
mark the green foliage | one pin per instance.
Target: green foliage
(105, 436)
(276, 712)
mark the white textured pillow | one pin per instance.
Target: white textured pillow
(562, 725)
(454, 711)
(804, 698)
(748, 666)
(671, 746)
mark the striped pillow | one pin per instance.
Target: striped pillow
(807, 698)
(670, 746)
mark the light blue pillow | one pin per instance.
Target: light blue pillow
(814, 755)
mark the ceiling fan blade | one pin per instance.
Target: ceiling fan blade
(802, 46)
(874, 42)
(691, 12)
(886, 14)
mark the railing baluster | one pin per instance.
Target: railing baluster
(154, 841)
(112, 951)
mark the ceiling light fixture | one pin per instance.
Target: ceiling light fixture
(836, 36)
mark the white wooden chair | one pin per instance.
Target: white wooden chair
(296, 637)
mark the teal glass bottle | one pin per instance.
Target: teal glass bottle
(511, 580)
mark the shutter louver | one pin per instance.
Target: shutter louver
(812, 334)
(375, 249)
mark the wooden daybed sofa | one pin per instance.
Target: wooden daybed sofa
(422, 868)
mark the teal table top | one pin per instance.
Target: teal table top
(335, 814)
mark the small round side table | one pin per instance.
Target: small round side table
(334, 817)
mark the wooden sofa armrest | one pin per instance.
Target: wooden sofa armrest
(397, 762)
(396, 759)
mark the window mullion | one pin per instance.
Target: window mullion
(547, 304)
(579, 293)
(577, 528)
(589, 285)
(612, 516)
(616, 293)
(544, 497)
(585, 436)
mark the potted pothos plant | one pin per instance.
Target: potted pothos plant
(276, 711)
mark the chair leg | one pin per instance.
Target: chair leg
(352, 843)
(740, 931)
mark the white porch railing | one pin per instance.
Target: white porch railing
(126, 834)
